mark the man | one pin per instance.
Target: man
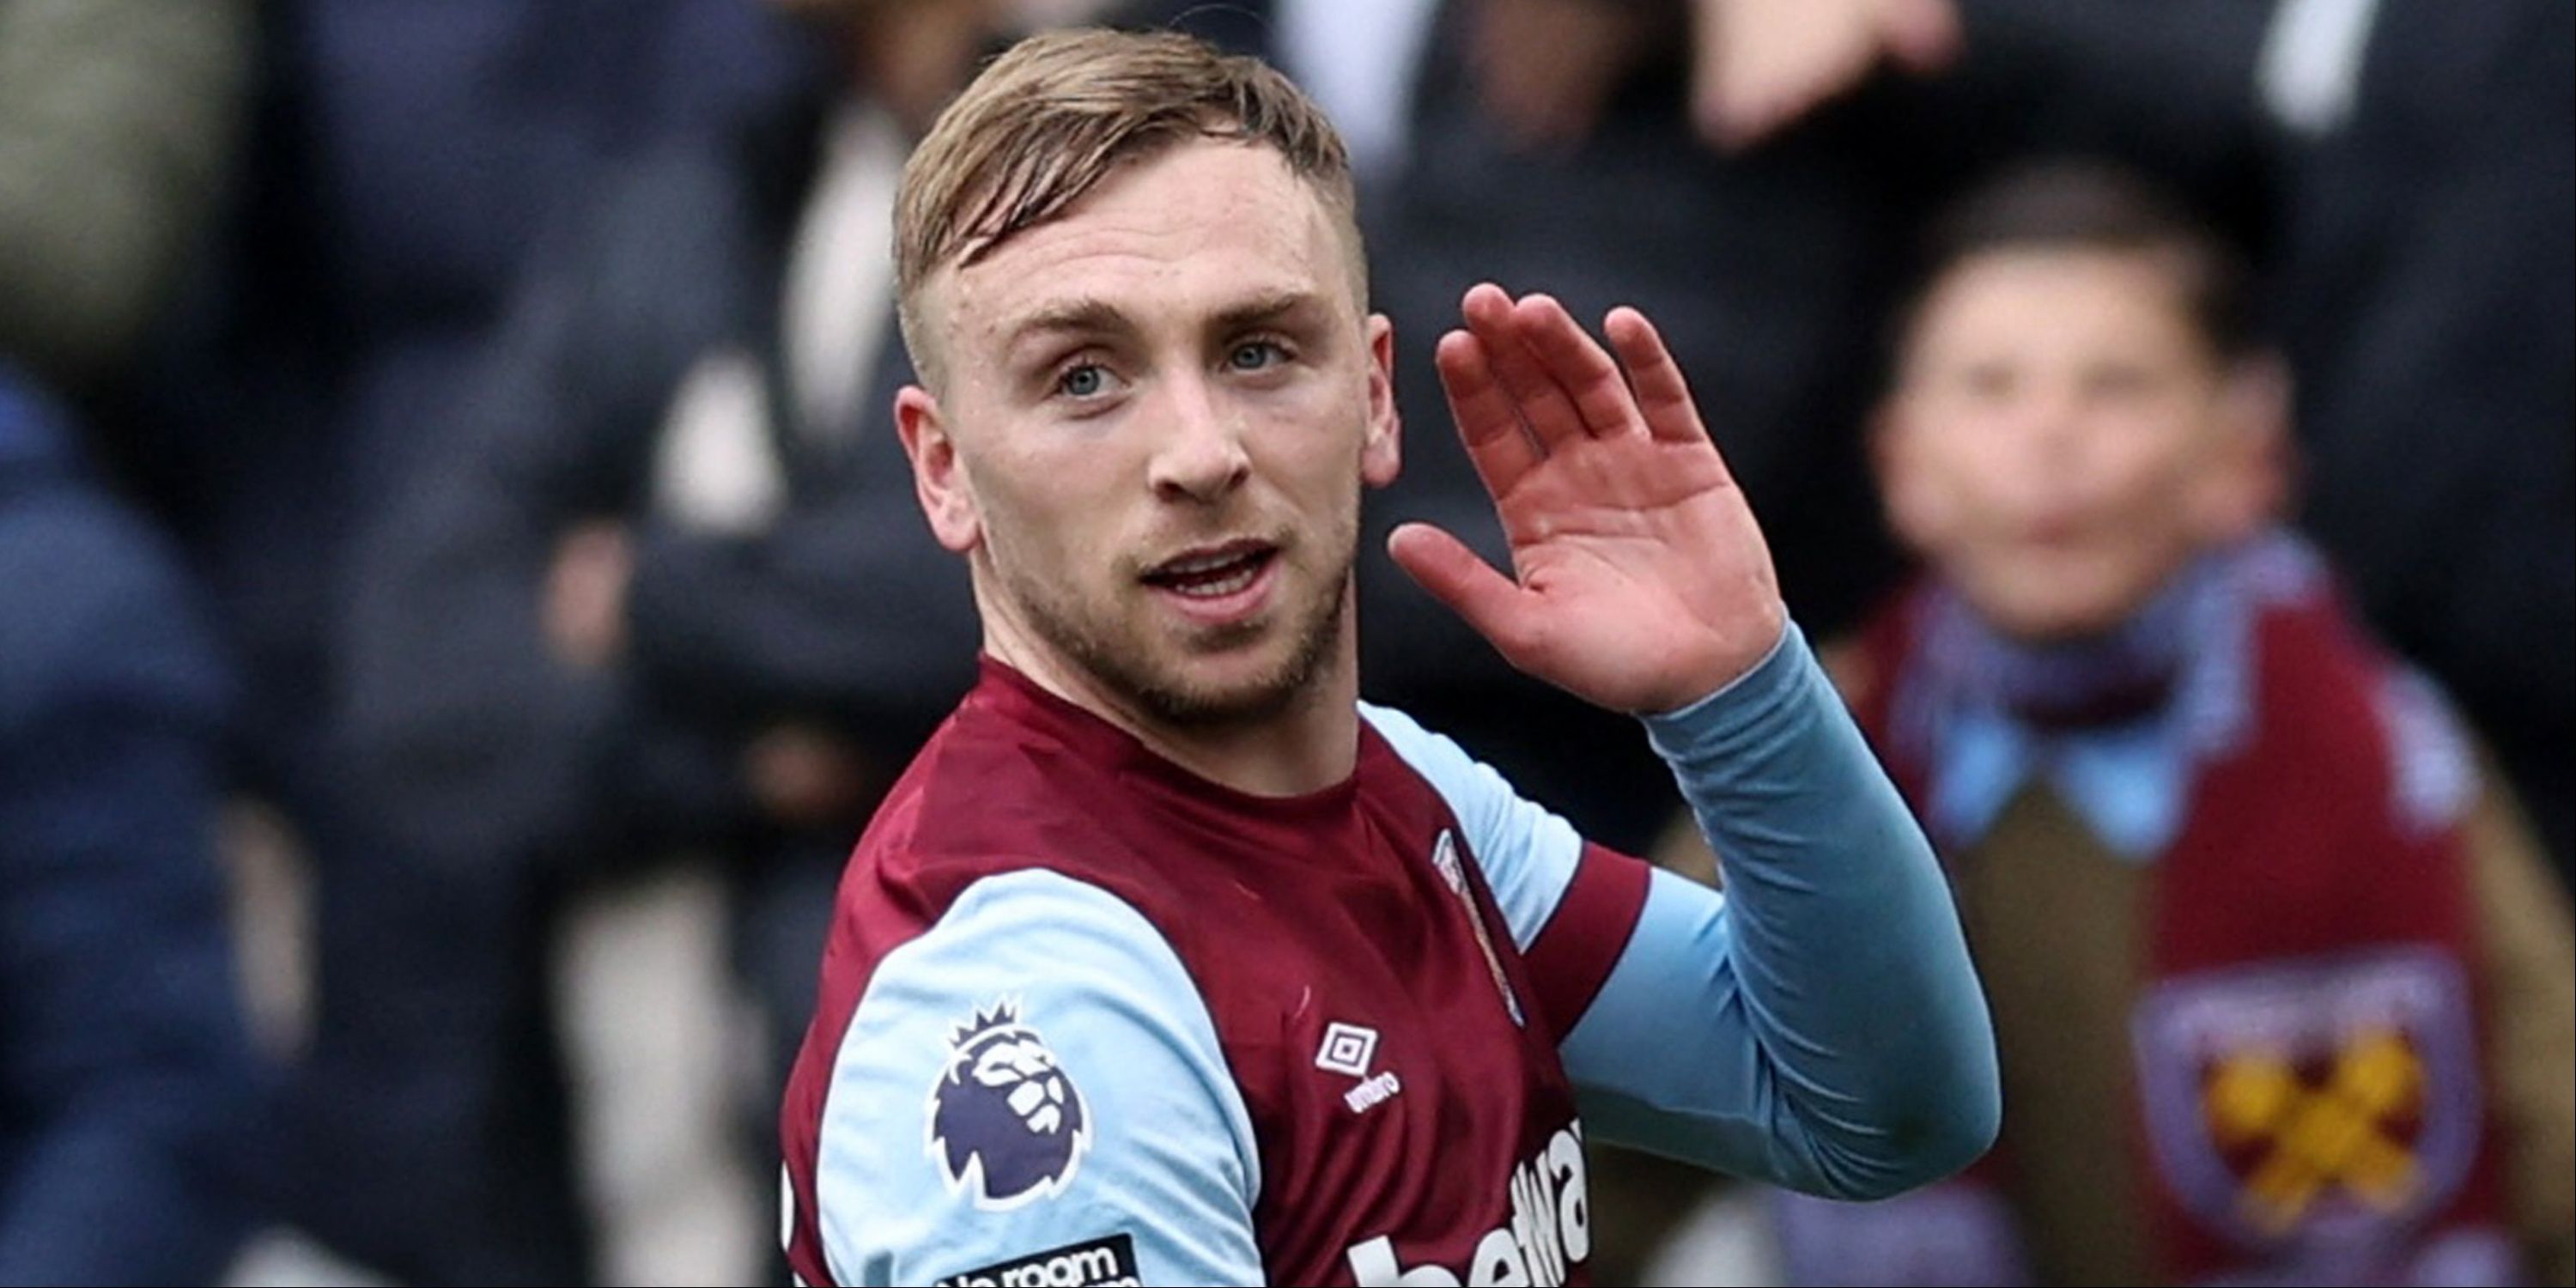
(2281, 987)
(1168, 960)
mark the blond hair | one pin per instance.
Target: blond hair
(1056, 114)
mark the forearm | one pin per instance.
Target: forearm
(1836, 948)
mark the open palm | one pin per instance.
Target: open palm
(1640, 579)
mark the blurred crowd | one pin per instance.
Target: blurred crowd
(461, 595)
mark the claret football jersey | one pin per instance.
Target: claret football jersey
(1088, 1018)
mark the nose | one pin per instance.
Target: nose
(1200, 456)
(2050, 422)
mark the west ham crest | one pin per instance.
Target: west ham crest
(2313, 1105)
(1005, 1120)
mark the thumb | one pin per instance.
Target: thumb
(1457, 576)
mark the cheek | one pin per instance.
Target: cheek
(1025, 536)
(1929, 500)
(2152, 495)
(1312, 447)
(1046, 497)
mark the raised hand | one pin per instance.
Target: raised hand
(1640, 580)
(1760, 65)
(1545, 69)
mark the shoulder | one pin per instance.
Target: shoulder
(984, 797)
(984, 857)
(1019, 914)
(1527, 853)
(93, 609)
(1039, 1050)
(2433, 771)
(1433, 756)
(1073, 967)
(2371, 713)
(1468, 784)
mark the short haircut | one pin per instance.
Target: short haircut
(1056, 114)
(2088, 205)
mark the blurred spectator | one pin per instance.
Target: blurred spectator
(403, 154)
(401, 158)
(117, 119)
(2224, 865)
(127, 1084)
(2422, 161)
(128, 1089)
(666, 590)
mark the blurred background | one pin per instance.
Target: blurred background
(460, 594)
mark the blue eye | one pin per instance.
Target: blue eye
(1087, 380)
(1255, 354)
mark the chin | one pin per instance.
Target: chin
(1240, 673)
(2056, 622)
(1255, 685)
(2055, 600)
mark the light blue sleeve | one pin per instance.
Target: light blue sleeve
(1819, 1025)
(1035, 1088)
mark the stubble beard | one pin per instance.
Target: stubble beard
(1127, 671)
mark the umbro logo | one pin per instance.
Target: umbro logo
(1347, 1050)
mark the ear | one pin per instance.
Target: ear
(1382, 452)
(2248, 486)
(938, 476)
(1906, 490)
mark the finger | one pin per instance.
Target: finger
(1580, 367)
(1662, 396)
(1544, 408)
(1924, 36)
(1488, 423)
(1487, 600)
(1735, 100)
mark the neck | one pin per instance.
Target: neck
(1304, 746)
(2118, 675)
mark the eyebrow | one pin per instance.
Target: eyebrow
(1092, 316)
(1268, 307)
(1077, 316)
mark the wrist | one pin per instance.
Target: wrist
(1772, 672)
(1739, 650)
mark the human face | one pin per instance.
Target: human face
(2062, 440)
(1158, 412)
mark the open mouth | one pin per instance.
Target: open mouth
(1213, 573)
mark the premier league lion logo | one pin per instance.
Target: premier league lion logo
(1004, 1118)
